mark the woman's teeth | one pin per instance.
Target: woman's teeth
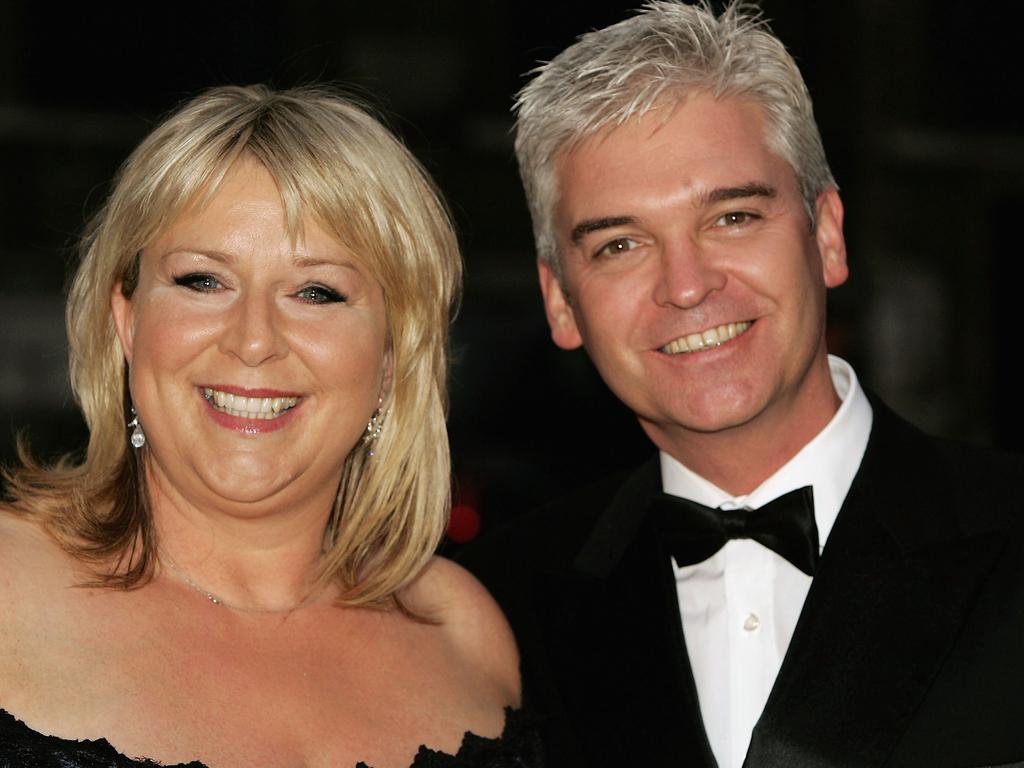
(249, 407)
(712, 337)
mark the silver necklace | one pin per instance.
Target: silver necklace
(183, 576)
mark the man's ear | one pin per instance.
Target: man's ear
(558, 309)
(124, 320)
(828, 233)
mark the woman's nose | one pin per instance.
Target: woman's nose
(254, 334)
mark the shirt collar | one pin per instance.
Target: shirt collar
(828, 462)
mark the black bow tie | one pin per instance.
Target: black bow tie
(786, 525)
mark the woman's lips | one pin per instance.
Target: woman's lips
(249, 406)
(252, 412)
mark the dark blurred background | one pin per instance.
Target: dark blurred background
(917, 105)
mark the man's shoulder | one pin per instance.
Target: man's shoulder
(948, 471)
(551, 535)
(988, 476)
(979, 461)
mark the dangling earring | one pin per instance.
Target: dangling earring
(375, 425)
(138, 437)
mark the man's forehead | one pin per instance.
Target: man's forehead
(647, 123)
(722, 141)
(701, 129)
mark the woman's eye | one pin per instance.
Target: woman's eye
(320, 294)
(198, 281)
(617, 246)
(736, 219)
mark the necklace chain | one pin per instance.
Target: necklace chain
(219, 601)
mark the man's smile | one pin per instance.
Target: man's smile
(712, 337)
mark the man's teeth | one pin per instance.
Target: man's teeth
(249, 407)
(712, 337)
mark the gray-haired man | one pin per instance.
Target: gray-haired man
(798, 577)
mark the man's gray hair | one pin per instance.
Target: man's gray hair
(667, 51)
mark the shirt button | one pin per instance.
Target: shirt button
(751, 622)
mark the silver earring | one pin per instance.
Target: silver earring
(375, 425)
(138, 437)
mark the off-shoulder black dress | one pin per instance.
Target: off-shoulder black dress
(21, 747)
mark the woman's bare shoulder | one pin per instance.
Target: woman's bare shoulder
(449, 594)
(30, 560)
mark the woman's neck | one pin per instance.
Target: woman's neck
(239, 556)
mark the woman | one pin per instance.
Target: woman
(244, 575)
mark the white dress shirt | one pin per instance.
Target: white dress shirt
(740, 606)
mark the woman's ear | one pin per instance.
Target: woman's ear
(124, 320)
(388, 374)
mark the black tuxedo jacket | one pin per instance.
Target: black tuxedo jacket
(909, 650)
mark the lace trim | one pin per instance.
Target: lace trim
(517, 747)
(42, 751)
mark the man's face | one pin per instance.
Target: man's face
(692, 275)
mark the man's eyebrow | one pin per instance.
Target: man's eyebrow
(594, 225)
(724, 194)
(718, 195)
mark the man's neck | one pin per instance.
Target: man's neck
(741, 458)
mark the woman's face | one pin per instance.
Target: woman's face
(254, 364)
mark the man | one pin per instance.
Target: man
(688, 228)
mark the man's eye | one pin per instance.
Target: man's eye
(736, 219)
(617, 246)
(198, 281)
(320, 294)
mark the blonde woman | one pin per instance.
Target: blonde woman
(240, 572)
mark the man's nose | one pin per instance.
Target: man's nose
(688, 274)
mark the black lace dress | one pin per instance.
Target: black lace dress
(21, 747)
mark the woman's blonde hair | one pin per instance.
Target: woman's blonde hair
(333, 162)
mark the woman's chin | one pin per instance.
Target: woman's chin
(246, 484)
(224, 480)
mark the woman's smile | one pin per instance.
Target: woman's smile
(251, 407)
(251, 414)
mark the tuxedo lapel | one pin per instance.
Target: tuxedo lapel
(896, 579)
(616, 641)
